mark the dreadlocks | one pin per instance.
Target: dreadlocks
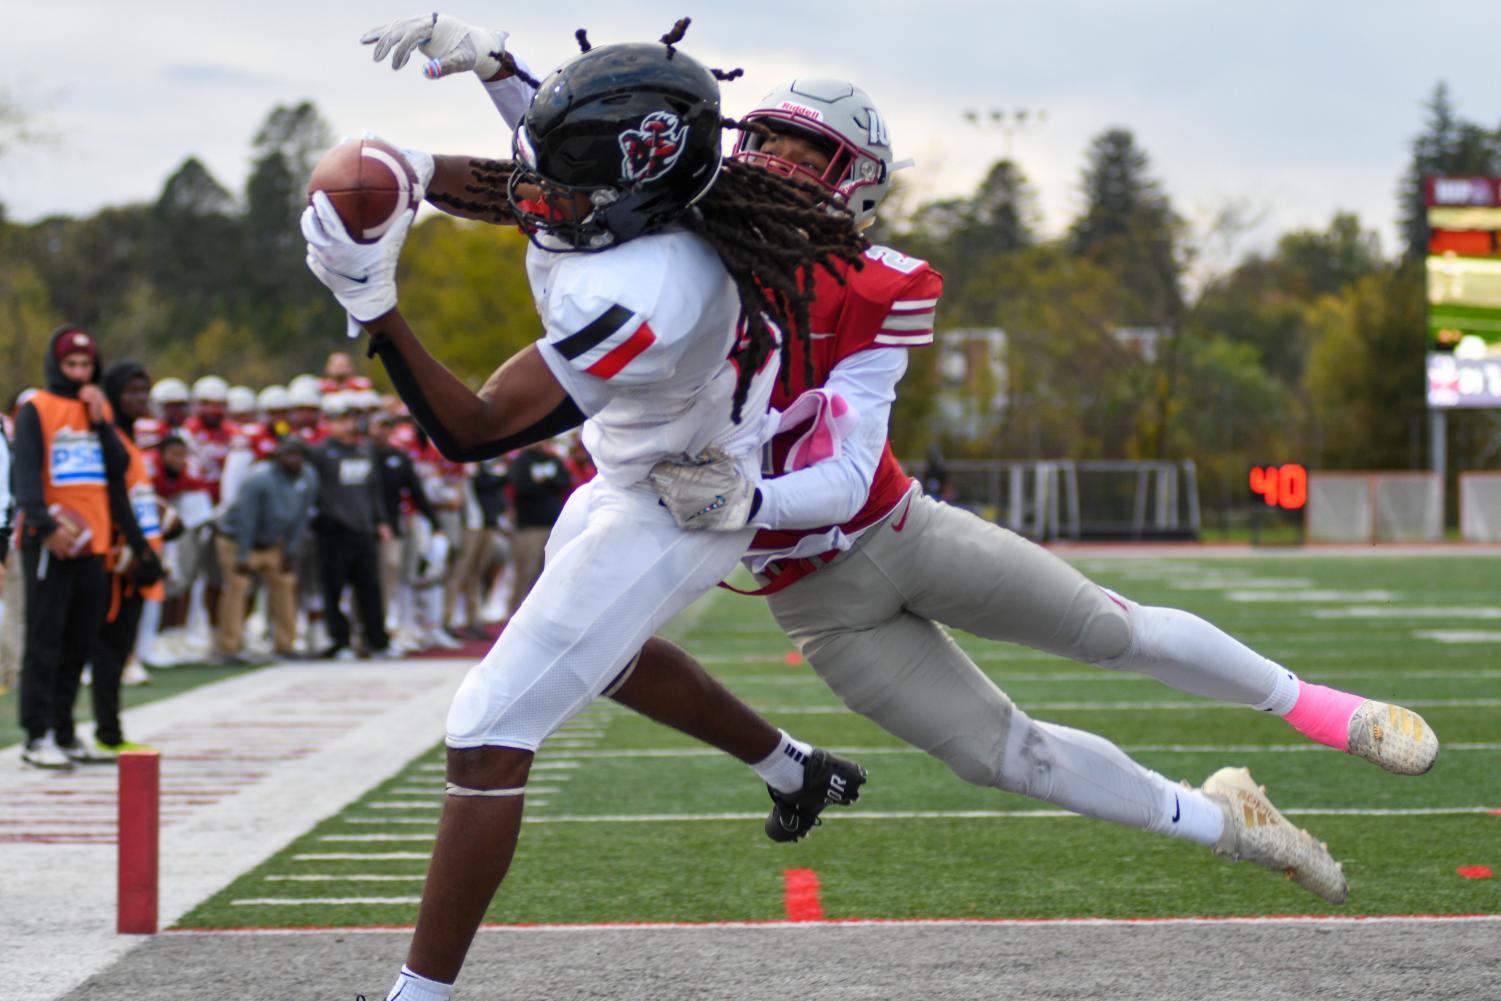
(490, 179)
(676, 34)
(770, 232)
(508, 63)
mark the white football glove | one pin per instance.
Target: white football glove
(362, 276)
(451, 46)
(705, 493)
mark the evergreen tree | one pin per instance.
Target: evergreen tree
(959, 235)
(284, 301)
(299, 134)
(1448, 146)
(195, 258)
(1129, 227)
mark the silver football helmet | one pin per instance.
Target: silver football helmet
(844, 119)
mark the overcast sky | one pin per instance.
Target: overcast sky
(1297, 110)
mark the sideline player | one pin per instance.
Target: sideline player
(860, 566)
(660, 336)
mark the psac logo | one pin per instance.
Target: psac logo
(652, 148)
(76, 458)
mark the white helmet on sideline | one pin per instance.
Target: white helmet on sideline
(273, 399)
(169, 390)
(241, 401)
(210, 389)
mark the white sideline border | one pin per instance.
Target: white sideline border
(804, 926)
(57, 911)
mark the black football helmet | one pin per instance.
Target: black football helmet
(634, 127)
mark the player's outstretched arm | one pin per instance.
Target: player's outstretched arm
(474, 187)
(521, 403)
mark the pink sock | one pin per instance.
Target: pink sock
(1323, 714)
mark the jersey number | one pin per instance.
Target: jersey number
(895, 260)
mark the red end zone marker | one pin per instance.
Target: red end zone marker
(140, 799)
(1475, 871)
(800, 895)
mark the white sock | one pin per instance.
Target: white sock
(411, 986)
(1284, 696)
(1185, 652)
(782, 769)
(1194, 816)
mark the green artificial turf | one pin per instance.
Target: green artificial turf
(722, 868)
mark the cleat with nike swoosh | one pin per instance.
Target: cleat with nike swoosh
(828, 780)
(1255, 831)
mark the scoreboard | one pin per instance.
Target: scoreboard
(1464, 291)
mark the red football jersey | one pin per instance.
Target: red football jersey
(889, 303)
(210, 446)
(404, 437)
(312, 435)
(353, 383)
(262, 439)
(149, 432)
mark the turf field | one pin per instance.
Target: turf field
(629, 822)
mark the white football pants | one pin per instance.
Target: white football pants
(617, 569)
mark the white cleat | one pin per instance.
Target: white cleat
(1256, 832)
(1397, 739)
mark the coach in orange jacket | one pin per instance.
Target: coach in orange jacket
(70, 486)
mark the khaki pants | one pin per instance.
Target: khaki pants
(391, 558)
(527, 548)
(868, 623)
(13, 628)
(281, 597)
(466, 575)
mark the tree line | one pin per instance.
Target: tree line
(1117, 341)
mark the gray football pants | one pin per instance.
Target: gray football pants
(868, 624)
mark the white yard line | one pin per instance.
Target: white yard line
(1291, 596)
(695, 818)
(709, 752)
(1396, 612)
(1102, 676)
(362, 856)
(335, 901)
(330, 878)
(1249, 583)
(1137, 706)
(1460, 635)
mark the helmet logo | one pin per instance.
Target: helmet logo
(652, 148)
(875, 126)
(803, 111)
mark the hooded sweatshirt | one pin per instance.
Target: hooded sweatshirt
(63, 458)
(145, 527)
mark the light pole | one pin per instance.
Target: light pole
(1008, 123)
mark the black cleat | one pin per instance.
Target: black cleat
(827, 780)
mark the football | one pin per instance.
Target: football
(369, 183)
(74, 525)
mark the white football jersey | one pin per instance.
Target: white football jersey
(640, 337)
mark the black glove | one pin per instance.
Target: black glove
(146, 569)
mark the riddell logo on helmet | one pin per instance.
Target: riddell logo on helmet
(803, 111)
(652, 148)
